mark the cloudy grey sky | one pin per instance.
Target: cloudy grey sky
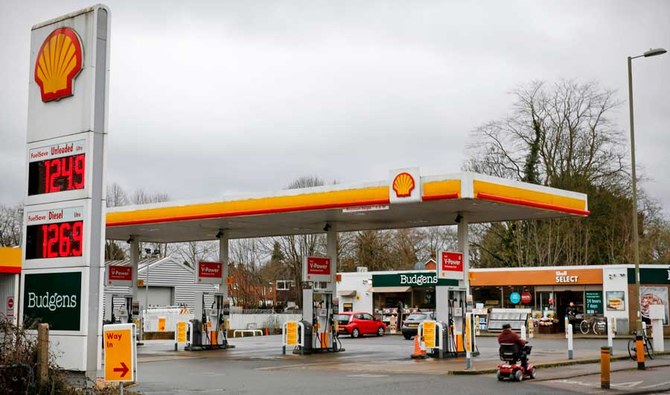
(214, 98)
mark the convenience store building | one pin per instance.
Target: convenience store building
(604, 290)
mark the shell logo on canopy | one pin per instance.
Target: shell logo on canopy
(59, 61)
(403, 184)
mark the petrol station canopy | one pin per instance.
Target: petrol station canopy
(439, 200)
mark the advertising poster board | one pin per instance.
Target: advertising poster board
(450, 265)
(317, 269)
(209, 273)
(653, 296)
(616, 300)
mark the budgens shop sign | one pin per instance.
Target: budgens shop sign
(411, 279)
(53, 298)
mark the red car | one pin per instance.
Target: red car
(359, 323)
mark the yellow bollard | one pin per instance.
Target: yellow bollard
(605, 368)
(639, 350)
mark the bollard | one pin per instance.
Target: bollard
(605, 368)
(639, 351)
(570, 342)
(610, 334)
(43, 353)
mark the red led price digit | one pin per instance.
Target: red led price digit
(47, 176)
(79, 165)
(76, 238)
(66, 172)
(54, 175)
(50, 241)
(64, 239)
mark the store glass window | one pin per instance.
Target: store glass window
(544, 301)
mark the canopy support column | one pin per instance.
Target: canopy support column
(223, 258)
(134, 263)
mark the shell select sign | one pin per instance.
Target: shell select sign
(59, 61)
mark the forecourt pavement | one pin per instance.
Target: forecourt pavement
(391, 355)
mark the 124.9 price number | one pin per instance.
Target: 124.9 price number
(55, 175)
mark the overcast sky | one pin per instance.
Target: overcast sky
(215, 98)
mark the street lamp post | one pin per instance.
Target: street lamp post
(636, 238)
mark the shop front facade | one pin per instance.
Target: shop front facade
(602, 291)
(546, 292)
(382, 292)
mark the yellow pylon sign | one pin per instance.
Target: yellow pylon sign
(181, 332)
(291, 333)
(429, 334)
(120, 352)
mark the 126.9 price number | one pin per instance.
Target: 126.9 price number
(55, 240)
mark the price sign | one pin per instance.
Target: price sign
(55, 233)
(57, 168)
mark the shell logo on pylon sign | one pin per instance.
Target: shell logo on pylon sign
(59, 61)
(403, 184)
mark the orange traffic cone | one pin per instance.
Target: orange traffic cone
(418, 352)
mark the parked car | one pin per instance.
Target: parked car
(411, 323)
(357, 324)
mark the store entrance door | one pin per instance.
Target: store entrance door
(563, 299)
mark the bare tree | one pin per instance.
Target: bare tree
(295, 247)
(11, 222)
(195, 251)
(116, 196)
(560, 136)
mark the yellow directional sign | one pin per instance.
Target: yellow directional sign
(120, 352)
(429, 333)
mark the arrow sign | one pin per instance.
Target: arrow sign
(124, 369)
(120, 352)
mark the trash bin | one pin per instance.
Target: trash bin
(307, 347)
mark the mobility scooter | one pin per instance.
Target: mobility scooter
(511, 354)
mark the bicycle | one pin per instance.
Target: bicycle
(594, 324)
(648, 346)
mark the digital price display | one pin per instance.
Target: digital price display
(57, 168)
(56, 233)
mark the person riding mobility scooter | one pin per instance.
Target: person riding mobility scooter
(513, 350)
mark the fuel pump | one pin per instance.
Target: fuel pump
(318, 316)
(209, 331)
(124, 313)
(324, 328)
(454, 336)
(318, 284)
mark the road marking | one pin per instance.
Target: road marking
(629, 384)
(656, 385)
(368, 376)
(566, 381)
